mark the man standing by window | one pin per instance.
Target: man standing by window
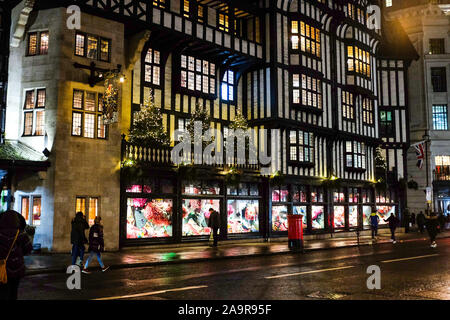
(214, 223)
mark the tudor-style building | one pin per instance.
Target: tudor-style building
(309, 72)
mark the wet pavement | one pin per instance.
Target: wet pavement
(160, 255)
(410, 270)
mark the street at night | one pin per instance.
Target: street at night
(409, 270)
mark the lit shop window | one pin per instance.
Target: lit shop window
(34, 114)
(355, 155)
(305, 38)
(92, 47)
(301, 146)
(87, 118)
(89, 207)
(339, 196)
(353, 195)
(300, 194)
(317, 194)
(31, 209)
(306, 91)
(440, 117)
(37, 43)
(227, 86)
(198, 75)
(152, 67)
(280, 194)
(367, 109)
(348, 105)
(159, 3)
(358, 61)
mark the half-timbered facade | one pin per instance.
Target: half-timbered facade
(310, 73)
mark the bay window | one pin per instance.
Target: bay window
(301, 146)
(306, 91)
(355, 155)
(358, 61)
(227, 86)
(305, 38)
(198, 75)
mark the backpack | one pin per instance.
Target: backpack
(3, 273)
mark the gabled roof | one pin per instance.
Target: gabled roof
(396, 43)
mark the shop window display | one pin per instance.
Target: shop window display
(201, 187)
(316, 194)
(302, 210)
(384, 212)
(367, 210)
(300, 194)
(353, 216)
(149, 218)
(196, 215)
(279, 218)
(243, 216)
(317, 217)
(339, 217)
(280, 194)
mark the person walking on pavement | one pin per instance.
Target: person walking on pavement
(14, 245)
(374, 219)
(393, 223)
(421, 221)
(441, 220)
(96, 245)
(78, 237)
(214, 224)
(413, 220)
(432, 228)
(406, 219)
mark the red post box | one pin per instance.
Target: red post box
(295, 231)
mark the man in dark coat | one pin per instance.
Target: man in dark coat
(78, 237)
(421, 221)
(10, 223)
(393, 223)
(432, 228)
(214, 223)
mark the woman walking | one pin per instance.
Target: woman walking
(14, 245)
(432, 228)
(96, 245)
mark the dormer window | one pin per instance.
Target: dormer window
(227, 86)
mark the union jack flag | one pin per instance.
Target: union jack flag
(420, 153)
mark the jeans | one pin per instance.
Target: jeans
(99, 258)
(9, 290)
(393, 233)
(374, 231)
(77, 251)
(215, 236)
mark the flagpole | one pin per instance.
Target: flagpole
(426, 137)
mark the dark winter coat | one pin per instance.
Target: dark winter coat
(9, 224)
(393, 222)
(77, 236)
(420, 219)
(96, 242)
(432, 225)
(214, 220)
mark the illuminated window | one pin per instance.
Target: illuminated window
(440, 117)
(348, 105)
(224, 21)
(305, 38)
(152, 67)
(301, 146)
(159, 3)
(355, 155)
(386, 124)
(38, 43)
(227, 86)
(367, 109)
(201, 13)
(307, 91)
(89, 206)
(34, 114)
(92, 47)
(31, 209)
(388, 3)
(186, 8)
(198, 75)
(87, 118)
(358, 61)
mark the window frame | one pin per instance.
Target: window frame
(161, 4)
(31, 198)
(387, 126)
(228, 84)
(38, 48)
(348, 101)
(436, 45)
(301, 147)
(87, 205)
(301, 90)
(355, 154)
(34, 112)
(439, 79)
(367, 111)
(357, 61)
(302, 37)
(435, 117)
(212, 77)
(82, 111)
(99, 46)
(153, 65)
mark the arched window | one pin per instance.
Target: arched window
(152, 67)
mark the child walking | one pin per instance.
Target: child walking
(96, 245)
